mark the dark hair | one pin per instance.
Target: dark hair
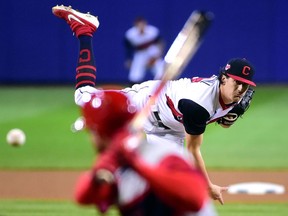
(221, 74)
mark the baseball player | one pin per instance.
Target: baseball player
(184, 107)
(144, 48)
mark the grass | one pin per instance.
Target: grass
(47, 208)
(277, 209)
(257, 141)
(64, 208)
(46, 115)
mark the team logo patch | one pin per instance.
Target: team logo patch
(246, 70)
(227, 67)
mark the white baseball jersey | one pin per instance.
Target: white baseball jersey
(183, 105)
(179, 98)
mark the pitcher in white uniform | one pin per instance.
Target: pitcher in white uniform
(184, 107)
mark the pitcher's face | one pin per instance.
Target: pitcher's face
(232, 90)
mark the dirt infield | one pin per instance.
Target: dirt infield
(58, 185)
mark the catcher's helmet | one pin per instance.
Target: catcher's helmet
(107, 111)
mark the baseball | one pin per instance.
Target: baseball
(16, 137)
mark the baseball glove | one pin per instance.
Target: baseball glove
(237, 110)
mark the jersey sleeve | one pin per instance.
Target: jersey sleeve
(194, 116)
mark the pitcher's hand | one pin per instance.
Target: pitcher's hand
(216, 192)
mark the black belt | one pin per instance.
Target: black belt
(159, 121)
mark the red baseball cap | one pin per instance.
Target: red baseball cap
(107, 111)
(241, 70)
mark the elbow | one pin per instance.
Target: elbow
(193, 149)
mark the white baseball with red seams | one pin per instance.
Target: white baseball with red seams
(16, 137)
